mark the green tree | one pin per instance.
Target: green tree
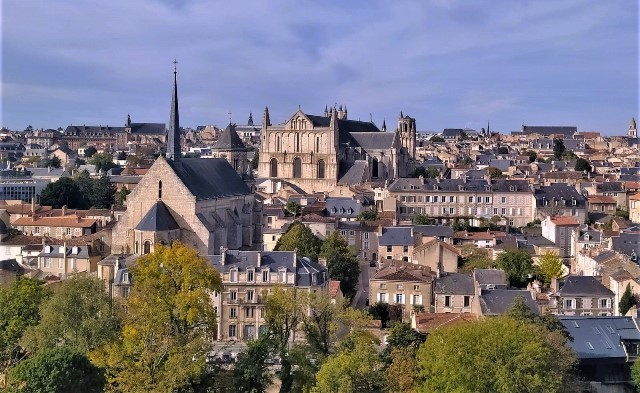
(476, 258)
(121, 195)
(62, 192)
(635, 373)
(622, 213)
(517, 264)
(90, 151)
(102, 161)
(503, 150)
(627, 301)
(78, 315)
(56, 370)
(368, 215)
(251, 374)
(401, 336)
(341, 263)
(494, 173)
(421, 219)
(320, 322)
(380, 311)
(299, 237)
(283, 312)
(104, 192)
(437, 139)
(550, 266)
(169, 324)
(19, 309)
(355, 368)
(558, 148)
(499, 355)
(50, 162)
(532, 155)
(255, 160)
(293, 208)
(521, 312)
(582, 165)
(402, 373)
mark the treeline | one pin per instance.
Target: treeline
(80, 192)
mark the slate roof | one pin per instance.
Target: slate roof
(11, 265)
(3, 228)
(60, 251)
(459, 185)
(356, 174)
(599, 337)
(229, 140)
(404, 271)
(148, 128)
(613, 186)
(396, 236)
(485, 277)
(626, 243)
(209, 178)
(558, 191)
(455, 284)
(434, 230)
(158, 219)
(99, 130)
(499, 301)
(373, 140)
(305, 268)
(343, 207)
(583, 286)
(548, 130)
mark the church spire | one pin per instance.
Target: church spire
(384, 124)
(173, 137)
(250, 121)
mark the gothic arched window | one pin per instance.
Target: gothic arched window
(320, 169)
(374, 167)
(160, 189)
(146, 247)
(297, 142)
(317, 144)
(273, 171)
(278, 143)
(297, 168)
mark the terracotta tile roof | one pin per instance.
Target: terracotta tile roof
(564, 221)
(427, 322)
(600, 199)
(26, 240)
(404, 271)
(334, 287)
(489, 235)
(635, 197)
(432, 241)
(66, 221)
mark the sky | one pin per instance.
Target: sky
(447, 63)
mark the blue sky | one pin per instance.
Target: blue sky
(448, 63)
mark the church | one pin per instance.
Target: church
(319, 153)
(202, 202)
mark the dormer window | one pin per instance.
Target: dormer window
(265, 275)
(251, 275)
(512, 188)
(75, 250)
(574, 202)
(233, 275)
(282, 276)
(47, 249)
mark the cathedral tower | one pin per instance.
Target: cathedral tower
(633, 130)
(407, 131)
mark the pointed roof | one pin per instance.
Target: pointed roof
(250, 121)
(173, 137)
(229, 140)
(633, 123)
(384, 124)
(157, 219)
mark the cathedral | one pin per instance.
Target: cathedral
(318, 153)
(202, 202)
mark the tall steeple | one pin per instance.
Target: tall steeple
(250, 121)
(173, 137)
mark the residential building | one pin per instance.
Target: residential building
(64, 260)
(396, 243)
(454, 293)
(560, 231)
(560, 200)
(601, 204)
(248, 276)
(67, 226)
(634, 208)
(583, 295)
(404, 284)
(437, 255)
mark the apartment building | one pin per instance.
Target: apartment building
(64, 260)
(583, 295)
(475, 200)
(248, 276)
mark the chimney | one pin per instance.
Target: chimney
(258, 264)
(295, 259)
(421, 179)
(64, 210)
(554, 284)
(33, 207)
(223, 255)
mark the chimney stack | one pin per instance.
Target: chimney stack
(33, 208)
(64, 210)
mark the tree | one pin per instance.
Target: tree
(582, 165)
(436, 139)
(121, 195)
(56, 370)
(380, 311)
(627, 301)
(550, 266)
(558, 148)
(78, 315)
(62, 192)
(476, 258)
(621, 213)
(283, 312)
(169, 324)
(341, 263)
(103, 195)
(319, 322)
(521, 312)
(293, 208)
(532, 155)
(255, 160)
(19, 309)
(50, 162)
(421, 219)
(90, 151)
(494, 173)
(635, 373)
(503, 150)
(102, 161)
(517, 264)
(401, 374)
(355, 368)
(401, 336)
(368, 215)
(494, 355)
(299, 237)
(251, 374)
(430, 172)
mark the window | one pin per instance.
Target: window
(467, 301)
(452, 199)
(374, 168)
(125, 278)
(503, 211)
(435, 199)
(320, 169)
(447, 301)
(503, 200)
(250, 275)
(273, 171)
(317, 144)
(47, 262)
(452, 210)
(383, 285)
(479, 199)
(427, 198)
(569, 304)
(470, 199)
(282, 275)
(146, 247)
(136, 246)
(233, 275)
(249, 312)
(297, 142)
(262, 312)
(400, 287)
(487, 199)
(604, 303)
(297, 168)
(124, 291)
(389, 248)
(278, 146)
(233, 296)
(36, 229)
(233, 312)
(60, 261)
(405, 249)
(365, 245)
(366, 235)
(265, 276)
(416, 287)
(160, 189)
(382, 297)
(417, 300)
(250, 296)
(232, 330)
(399, 298)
